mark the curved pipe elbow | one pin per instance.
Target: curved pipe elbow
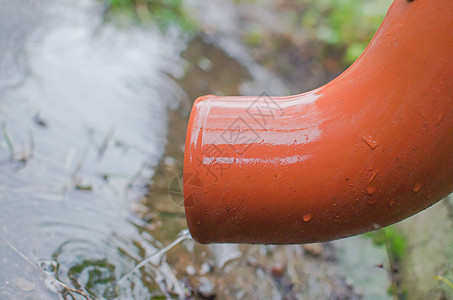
(370, 148)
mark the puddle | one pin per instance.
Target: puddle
(83, 131)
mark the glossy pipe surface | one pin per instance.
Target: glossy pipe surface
(372, 147)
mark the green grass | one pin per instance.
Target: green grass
(163, 13)
(396, 241)
(346, 24)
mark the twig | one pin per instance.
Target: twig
(73, 290)
(133, 179)
(392, 276)
(32, 146)
(26, 157)
(72, 296)
(8, 142)
(56, 280)
(18, 252)
(105, 143)
(446, 280)
(80, 163)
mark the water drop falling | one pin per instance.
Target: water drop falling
(391, 202)
(307, 217)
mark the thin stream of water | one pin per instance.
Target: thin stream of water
(157, 256)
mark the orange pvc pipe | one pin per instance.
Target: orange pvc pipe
(369, 149)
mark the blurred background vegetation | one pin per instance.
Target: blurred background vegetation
(305, 42)
(344, 26)
(163, 13)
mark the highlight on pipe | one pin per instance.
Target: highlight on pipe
(370, 148)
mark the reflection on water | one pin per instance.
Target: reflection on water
(13, 33)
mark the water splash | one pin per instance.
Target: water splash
(50, 267)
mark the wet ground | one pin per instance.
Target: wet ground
(93, 118)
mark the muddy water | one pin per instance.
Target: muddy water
(93, 121)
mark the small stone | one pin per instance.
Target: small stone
(190, 270)
(349, 282)
(314, 250)
(39, 121)
(169, 161)
(205, 269)
(359, 293)
(82, 184)
(206, 288)
(263, 250)
(205, 64)
(278, 270)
